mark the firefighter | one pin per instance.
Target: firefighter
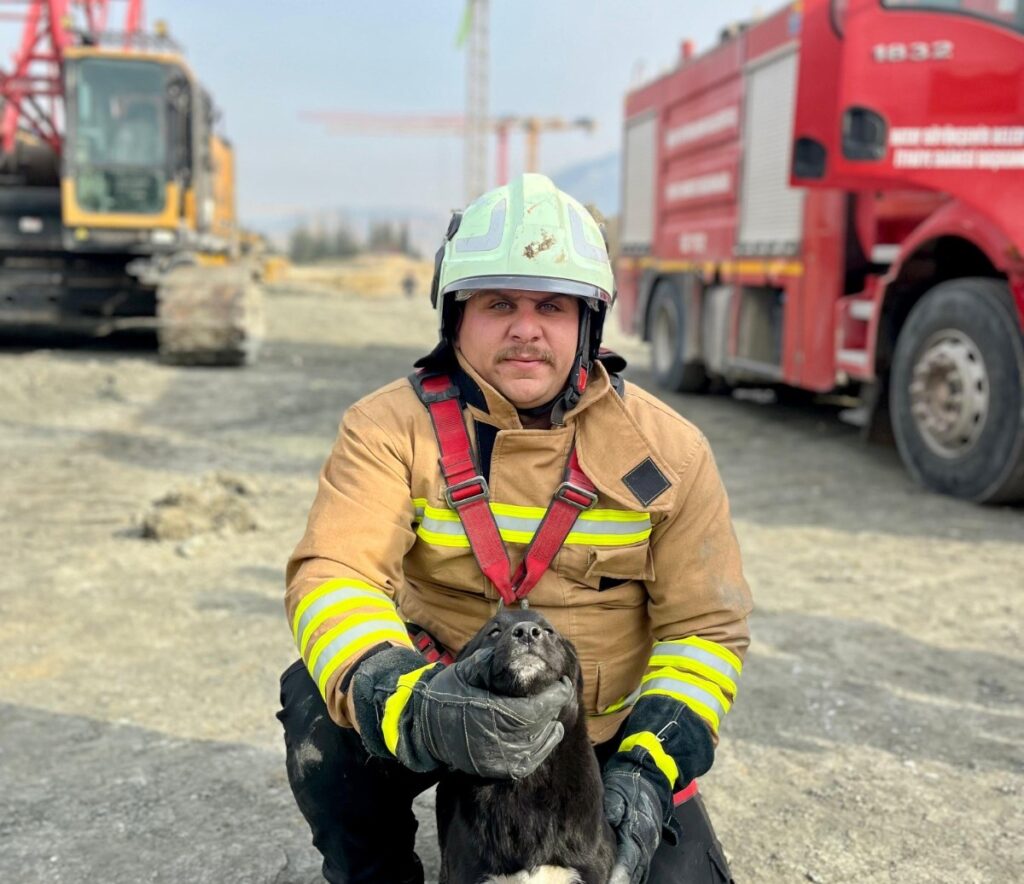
(515, 464)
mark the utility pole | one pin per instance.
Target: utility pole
(477, 93)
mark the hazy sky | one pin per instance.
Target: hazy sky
(266, 61)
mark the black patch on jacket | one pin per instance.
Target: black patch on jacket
(645, 481)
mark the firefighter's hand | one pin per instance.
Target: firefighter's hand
(433, 716)
(634, 810)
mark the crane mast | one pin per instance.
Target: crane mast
(477, 91)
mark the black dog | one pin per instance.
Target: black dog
(549, 827)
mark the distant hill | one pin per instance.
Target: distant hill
(594, 181)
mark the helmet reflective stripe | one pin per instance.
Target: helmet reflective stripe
(491, 239)
(579, 239)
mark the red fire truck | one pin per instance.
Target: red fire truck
(832, 198)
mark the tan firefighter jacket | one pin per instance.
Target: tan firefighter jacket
(655, 561)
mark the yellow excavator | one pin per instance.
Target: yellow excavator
(117, 203)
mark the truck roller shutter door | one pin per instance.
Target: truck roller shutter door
(638, 184)
(771, 212)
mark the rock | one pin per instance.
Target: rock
(214, 504)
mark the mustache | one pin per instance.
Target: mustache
(508, 353)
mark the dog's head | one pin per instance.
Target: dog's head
(529, 654)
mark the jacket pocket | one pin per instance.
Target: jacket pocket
(587, 567)
(617, 678)
(612, 577)
(624, 563)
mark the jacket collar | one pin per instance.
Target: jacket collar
(490, 407)
(609, 443)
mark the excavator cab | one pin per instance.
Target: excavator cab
(117, 199)
(138, 166)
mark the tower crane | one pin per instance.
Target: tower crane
(357, 123)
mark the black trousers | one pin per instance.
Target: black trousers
(359, 807)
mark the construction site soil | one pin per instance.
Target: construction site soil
(147, 515)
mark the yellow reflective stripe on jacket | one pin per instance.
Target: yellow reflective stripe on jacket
(700, 695)
(312, 599)
(518, 524)
(396, 703)
(334, 600)
(354, 635)
(664, 761)
(702, 657)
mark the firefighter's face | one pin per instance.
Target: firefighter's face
(521, 343)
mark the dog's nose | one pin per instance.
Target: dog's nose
(526, 632)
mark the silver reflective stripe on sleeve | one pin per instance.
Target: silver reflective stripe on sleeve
(691, 694)
(322, 656)
(710, 659)
(333, 599)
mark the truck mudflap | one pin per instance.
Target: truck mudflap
(209, 316)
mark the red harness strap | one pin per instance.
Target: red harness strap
(426, 645)
(685, 794)
(467, 493)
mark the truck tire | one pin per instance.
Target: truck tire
(209, 316)
(957, 392)
(669, 363)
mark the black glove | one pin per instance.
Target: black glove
(634, 809)
(445, 716)
(665, 745)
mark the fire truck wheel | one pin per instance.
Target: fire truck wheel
(669, 361)
(957, 392)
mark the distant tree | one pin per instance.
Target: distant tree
(306, 246)
(301, 246)
(387, 236)
(382, 238)
(405, 245)
(345, 243)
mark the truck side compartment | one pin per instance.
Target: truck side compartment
(799, 196)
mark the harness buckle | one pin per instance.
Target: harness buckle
(476, 481)
(575, 496)
(427, 397)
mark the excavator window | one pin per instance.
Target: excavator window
(120, 136)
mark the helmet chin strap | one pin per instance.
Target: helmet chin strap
(578, 375)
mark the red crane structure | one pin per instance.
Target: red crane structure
(31, 89)
(356, 123)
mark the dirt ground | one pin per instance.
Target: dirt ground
(879, 731)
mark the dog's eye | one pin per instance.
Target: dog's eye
(494, 632)
(550, 631)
